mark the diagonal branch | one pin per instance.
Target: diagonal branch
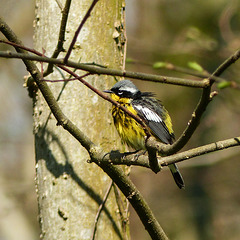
(190, 129)
(194, 122)
(43, 87)
(61, 38)
(227, 63)
(87, 15)
(101, 206)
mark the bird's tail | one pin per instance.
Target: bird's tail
(177, 176)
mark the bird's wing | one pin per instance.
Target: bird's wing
(155, 122)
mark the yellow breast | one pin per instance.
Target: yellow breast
(129, 130)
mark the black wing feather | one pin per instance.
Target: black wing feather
(160, 131)
(151, 111)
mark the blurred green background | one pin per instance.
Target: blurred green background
(179, 32)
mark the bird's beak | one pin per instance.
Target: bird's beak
(107, 91)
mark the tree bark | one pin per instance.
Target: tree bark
(70, 189)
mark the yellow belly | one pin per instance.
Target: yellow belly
(129, 130)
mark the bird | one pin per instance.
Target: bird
(153, 114)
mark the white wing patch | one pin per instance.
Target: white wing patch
(148, 113)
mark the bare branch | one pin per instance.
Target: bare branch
(197, 114)
(194, 122)
(101, 206)
(66, 80)
(226, 64)
(134, 197)
(59, 4)
(61, 37)
(172, 67)
(213, 147)
(118, 158)
(107, 71)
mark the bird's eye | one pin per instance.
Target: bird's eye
(120, 92)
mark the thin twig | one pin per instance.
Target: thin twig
(123, 208)
(59, 4)
(61, 38)
(65, 80)
(172, 67)
(87, 15)
(101, 206)
(227, 63)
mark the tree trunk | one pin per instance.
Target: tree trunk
(70, 189)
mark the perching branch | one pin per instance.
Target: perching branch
(212, 147)
(118, 158)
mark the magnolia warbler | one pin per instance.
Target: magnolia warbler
(150, 110)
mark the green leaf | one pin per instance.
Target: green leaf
(129, 60)
(159, 65)
(195, 66)
(224, 84)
